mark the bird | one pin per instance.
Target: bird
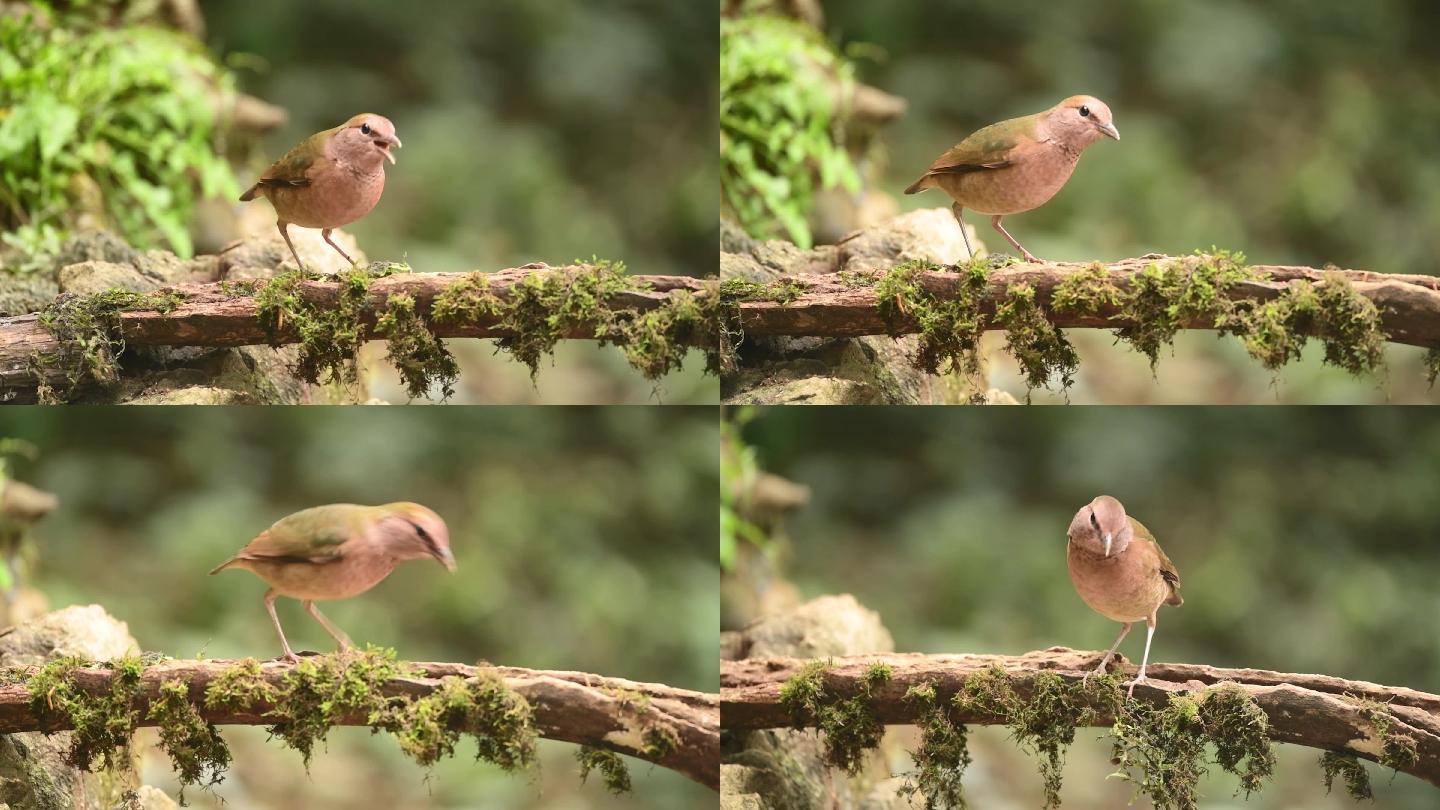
(1120, 572)
(338, 551)
(331, 179)
(1019, 164)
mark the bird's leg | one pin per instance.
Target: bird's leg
(995, 221)
(1145, 659)
(1104, 662)
(326, 233)
(956, 209)
(285, 232)
(270, 606)
(335, 632)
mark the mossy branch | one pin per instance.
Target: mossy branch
(654, 320)
(1273, 309)
(1394, 726)
(427, 707)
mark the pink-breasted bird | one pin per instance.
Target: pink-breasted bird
(338, 551)
(1120, 572)
(331, 179)
(1019, 164)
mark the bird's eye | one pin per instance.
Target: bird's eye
(365, 128)
(1084, 111)
(1093, 521)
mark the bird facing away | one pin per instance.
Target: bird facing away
(1017, 165)
(331, 179)
(338, 551)
(1120, 572)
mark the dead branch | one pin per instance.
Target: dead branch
(833, 306)
(1317, 711)
(222, 314)
(572, 707)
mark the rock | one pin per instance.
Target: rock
(827, 626)
(33, 773)
(95, 277)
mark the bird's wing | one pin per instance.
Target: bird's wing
(292, 169)
(994, 147)
(1168, 571)
(312, 536)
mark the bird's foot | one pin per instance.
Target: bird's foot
(1139, 680)
(1029, 257)
(1099, 670)
(289, 658)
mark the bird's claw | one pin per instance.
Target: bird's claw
(1131, 692)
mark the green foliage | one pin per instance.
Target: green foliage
(1348, 769)
(101, 724)
(611, 767)
(109, 123)
(779, 132)
(415, 351)
(331, 333)
(739, 468)
(499, 721)
(1162, 298)
(1039, 346)
(196, 749)
(950, 326)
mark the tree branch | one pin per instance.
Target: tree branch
(833, 305)
(1318, 711)
(227, 314)
(574, 707)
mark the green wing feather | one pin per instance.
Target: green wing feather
(993, 147)
(292, 169)
(1168, 571)
(315, 535)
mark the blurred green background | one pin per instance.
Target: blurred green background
(1299, 132)
(585, 540)
(534, 131)
(1305, 540)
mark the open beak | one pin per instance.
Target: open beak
(446, 559)
(385, 144)
(1109, 129)
(1109, 538)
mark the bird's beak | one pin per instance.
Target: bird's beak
(389, 142)
(1109, 129)
(1109, 538)
(446, 559)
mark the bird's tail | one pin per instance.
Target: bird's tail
(222, 566)
(920, 185)
(247, 197)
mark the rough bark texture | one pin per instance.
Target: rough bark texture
(776, 767)
(33, 772)
(1409, 305)
(776, 369)
(1318, 711)
(571, 706)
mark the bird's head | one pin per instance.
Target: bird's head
(365, 140)
(1081, 121)
(410, 531)
(1101, 527)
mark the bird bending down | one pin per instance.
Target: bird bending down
(331, 179)
(1120, 572)
(339, 551)
(1019, 164)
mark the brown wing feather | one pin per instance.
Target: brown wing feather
(292, 169)
(994, 147)
(1168, 571)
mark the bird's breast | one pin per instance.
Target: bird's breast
(1120, 587)
(339, 579)
(1027, 184)
(336, 196)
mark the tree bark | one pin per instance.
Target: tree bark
(210, 315)
(1409, 304)
(1309, 710)
(573, 707)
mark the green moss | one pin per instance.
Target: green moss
(611, 767)
(330, 333)
(1432, 366)
(950, 327)
(1039, 346)
(1162, 748)
(239, 687)
(659, 743)
(101, 725)
(1346, 322)
(1397, 750)
(943, 755)
(1163, 297)
(88, 330)
(195, 747)
(318, 691)
(1044, 721)
(415, 351)
(1349, 769)
(731, 293)
(847, 724)
(427, 728)
(1086, 291)
(657, 340)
